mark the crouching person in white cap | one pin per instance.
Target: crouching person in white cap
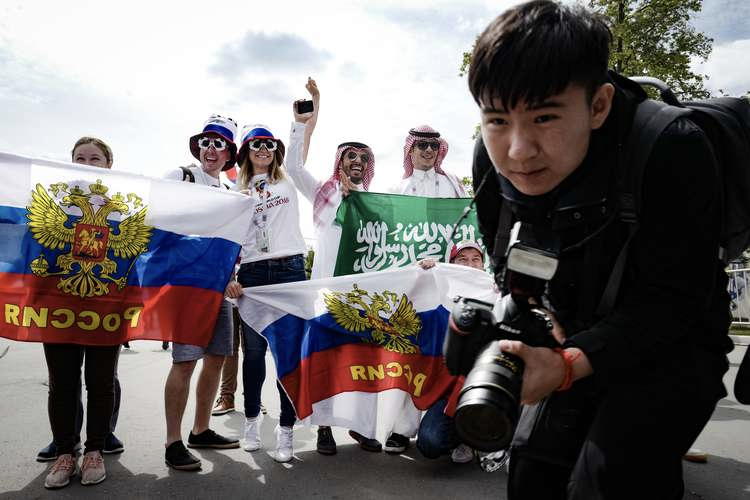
(214, 148)
(437, 432)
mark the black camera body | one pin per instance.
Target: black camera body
(489, 402)
(304, 106)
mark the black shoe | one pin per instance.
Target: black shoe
(112, 445)
(177, 457)
(49, 452)
(165, 346)
(209, 439)
(326, 443)
(366, 444)
(396, 443)
(126, 345)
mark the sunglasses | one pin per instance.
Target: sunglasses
(352, 155)
(256, 144)
(423, 145)
(217, 142)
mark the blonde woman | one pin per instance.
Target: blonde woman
(273, 252)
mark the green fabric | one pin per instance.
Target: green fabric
(382, 231)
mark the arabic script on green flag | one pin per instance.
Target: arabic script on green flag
(382, 231)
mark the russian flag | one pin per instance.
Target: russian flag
(95, 256)
(339, 342)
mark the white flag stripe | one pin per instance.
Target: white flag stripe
(260, 306)
(177, 207)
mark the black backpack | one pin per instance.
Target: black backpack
(726, 123)
(188, 175)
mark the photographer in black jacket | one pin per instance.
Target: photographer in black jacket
(611, 414)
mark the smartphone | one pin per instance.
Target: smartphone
(304, 106)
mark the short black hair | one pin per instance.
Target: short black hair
(535, 50)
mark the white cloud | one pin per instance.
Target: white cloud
(724, 20)
(728, 68)
(144, 75)
(274, 51)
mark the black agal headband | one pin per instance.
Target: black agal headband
(417, 133)
(360, 145)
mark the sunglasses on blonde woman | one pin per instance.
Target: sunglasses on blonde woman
(256, 144)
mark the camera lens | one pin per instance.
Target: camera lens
(487, 410)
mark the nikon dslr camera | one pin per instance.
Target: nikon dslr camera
(489, 402)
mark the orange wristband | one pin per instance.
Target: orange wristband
(568, 359)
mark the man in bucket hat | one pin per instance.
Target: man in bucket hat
(353, 170)
(424, 152)
(214, 148)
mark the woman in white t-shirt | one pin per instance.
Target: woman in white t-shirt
(273, 252)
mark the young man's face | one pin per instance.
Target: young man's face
(354, 161)
(212, 160)
(536, 147)
(424, 159)
(470, 257)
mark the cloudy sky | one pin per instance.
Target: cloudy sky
(144, 76)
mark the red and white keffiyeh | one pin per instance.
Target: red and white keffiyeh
(423, 132)
(324, 195)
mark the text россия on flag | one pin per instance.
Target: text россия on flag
(337, 342)
(93, 256)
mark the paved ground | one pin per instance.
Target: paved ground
(140, 471)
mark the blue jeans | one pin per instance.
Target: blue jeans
(437, 432)
(265, 272)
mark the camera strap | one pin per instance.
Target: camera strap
(502, 237)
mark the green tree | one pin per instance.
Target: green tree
(655, 38)
(468, 186)
(309, 259)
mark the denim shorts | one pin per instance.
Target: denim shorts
(220, 344)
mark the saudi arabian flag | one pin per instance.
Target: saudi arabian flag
(384, 231)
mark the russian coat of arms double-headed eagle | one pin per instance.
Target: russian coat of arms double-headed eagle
(91, 241)
(392, 320)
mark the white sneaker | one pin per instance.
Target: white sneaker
(462, 454)
(251, 438)
(284, 451)
(695, 455)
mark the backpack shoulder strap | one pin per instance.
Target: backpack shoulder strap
(187, 174)
(650, 120)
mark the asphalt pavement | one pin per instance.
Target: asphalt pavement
(140, 471)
